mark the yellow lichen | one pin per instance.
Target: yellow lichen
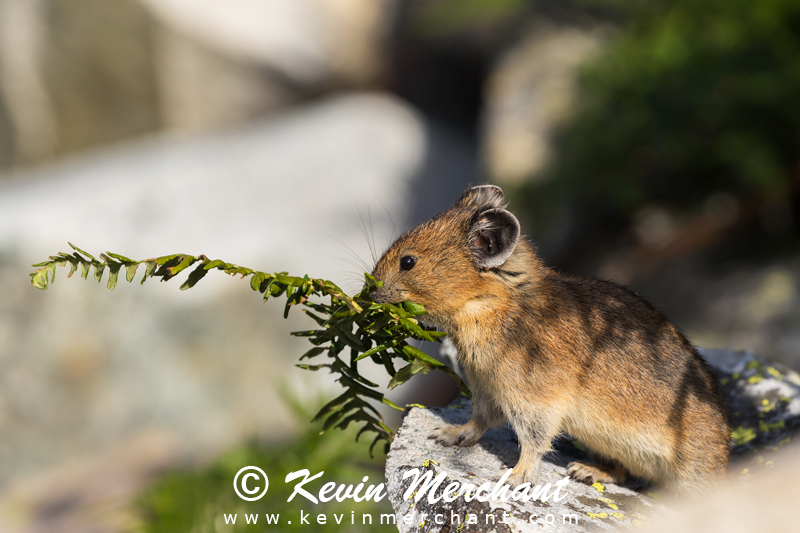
(769, 464)
(774, 372)
(746, 472)
(417, 405)
(610, 503)
(753, 365)
(618, 516)
(742, 435)
(736, 376)
(724, 381)
(597, 515)
(599, 487)
(637, 523)
(774, 426)
(755, 379)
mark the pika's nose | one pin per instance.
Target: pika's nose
(378, 296)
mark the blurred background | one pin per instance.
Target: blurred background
(657, 145)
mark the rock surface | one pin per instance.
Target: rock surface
(764, 402)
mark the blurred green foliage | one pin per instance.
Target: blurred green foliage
(691, 98)
(686, 101)
(446, 16)
(197, 500)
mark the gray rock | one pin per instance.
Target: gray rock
(530, 94)
(764, 400)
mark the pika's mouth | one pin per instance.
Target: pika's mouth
(385, 296)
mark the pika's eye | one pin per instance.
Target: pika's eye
(407, 262)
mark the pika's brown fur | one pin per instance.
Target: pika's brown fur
(551, 353)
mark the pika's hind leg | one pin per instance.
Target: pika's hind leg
(484, 416)
(600, 469)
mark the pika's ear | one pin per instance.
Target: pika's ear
(492, 237)
(482, 197)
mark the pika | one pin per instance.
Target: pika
(551, 353)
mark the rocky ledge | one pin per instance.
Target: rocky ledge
(764, 404)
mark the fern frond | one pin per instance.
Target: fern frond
(365, 329)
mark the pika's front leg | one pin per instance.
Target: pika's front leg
(483, 417)
(535, 434)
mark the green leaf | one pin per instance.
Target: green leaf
(98, 271)
(313, 368)
(313, 352)
(372, 351)
(121, 258)
(39, 279)
(113, 274)
(183, 262)
(277, 288)
(371, 283)
(404, 374)
(355, 417)
(73, 266)
(318, 319)
(360, 389)
(258, 279)
(342, 367)
(333, 405)
(308, 333)
(416, 353)
(413, 308)
(392, 404)
(461, 385)
(216, 263)
(150, 269)
(351, 340)
(87, 254)
(130, 271)
(194, 276)
(387, 363)
(412, 325)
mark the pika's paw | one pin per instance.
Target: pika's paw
(591, 473)
(517, 478)
(455, 436)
